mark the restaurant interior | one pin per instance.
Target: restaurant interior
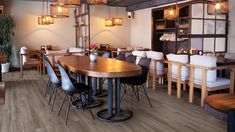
(117, 65)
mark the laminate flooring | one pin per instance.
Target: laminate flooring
(26, 110)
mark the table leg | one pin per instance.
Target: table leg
(118, 88)
(101, 92)
(94, 85)
(0, 73)
(114, 114)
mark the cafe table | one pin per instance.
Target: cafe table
(111, 69)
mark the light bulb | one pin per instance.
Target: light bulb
(171, 12)
(217, 6)
(59, 9)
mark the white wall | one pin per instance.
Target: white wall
(62, 33)
(117, 36)
(29, 33)
(231, 41)
(141, 28)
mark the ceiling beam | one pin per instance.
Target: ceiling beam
(151, 3)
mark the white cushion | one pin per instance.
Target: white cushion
(139, 55)
(156, 56)
(208, 61)
(181, 59)
(218, 82)
(138, 48)
(229, 55)
(129, 48)
(56, 58)
(76, 50)
(25, 58)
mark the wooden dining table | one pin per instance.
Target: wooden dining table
(111, 69)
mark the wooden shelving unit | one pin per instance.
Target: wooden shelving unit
(185, 25)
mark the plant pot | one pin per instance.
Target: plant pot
(5, 67)
(93, 57)
(160, 27)
(184, 26)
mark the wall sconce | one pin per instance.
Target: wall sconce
(59, 11)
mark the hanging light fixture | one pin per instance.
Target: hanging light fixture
(117, 21)
(45, 19)
(171, 12)
(59, 10)
(97, 2)
(217, 6)
(109, 21)
(69, 2)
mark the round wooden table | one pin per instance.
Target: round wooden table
(105, 68)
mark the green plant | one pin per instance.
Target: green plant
(7, 25)
(160, 23)
(183, 22)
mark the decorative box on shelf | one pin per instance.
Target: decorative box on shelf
(43, 47)
(184, 26)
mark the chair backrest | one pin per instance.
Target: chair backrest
(131, 59)
(207, 61)
(144, 63)
(67, 84)
(181, 59)
(120, 57)
(156, 56)
(51, 73)
(25, 58)
(106, 55)
(54, 55)
(139, 55)
(229, 55)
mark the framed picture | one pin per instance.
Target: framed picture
(1, 9)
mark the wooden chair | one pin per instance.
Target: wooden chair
(178, 72)
(31, 59)
(203, 75)
(156, 68)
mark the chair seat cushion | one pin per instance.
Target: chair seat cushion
(80, 87)
(217, 83)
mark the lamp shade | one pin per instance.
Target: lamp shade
(97, 2)
(219, 7)
(69, 2)
(45, 20)
(59, 11)
(108, 23)
(170, 13)
(117, 21)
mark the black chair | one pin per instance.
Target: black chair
(131, 59)
(136, 83)
(121, 57)
(71, 89)
(54, 83)
(106, 55)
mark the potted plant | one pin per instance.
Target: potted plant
(160, 25)
(7, 25)
(93, 52)
(184, 23)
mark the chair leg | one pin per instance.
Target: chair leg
(54, 96)
(51, 94)
(132, 98)
(68, 108)
(184, 86)
(145, 92)
(47, 87)
(89, 102)
(124, 92)
(65, 97)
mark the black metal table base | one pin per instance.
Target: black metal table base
(123, 115)
(94, 103)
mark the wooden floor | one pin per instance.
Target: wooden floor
(26, 110)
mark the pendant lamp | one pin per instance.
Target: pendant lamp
(97, 2)
(117, 21)
(59, 11)
(69, 2)
(45, 19)
(109, 21)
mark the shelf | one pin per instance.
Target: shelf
(202, 36)
(167, 29)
